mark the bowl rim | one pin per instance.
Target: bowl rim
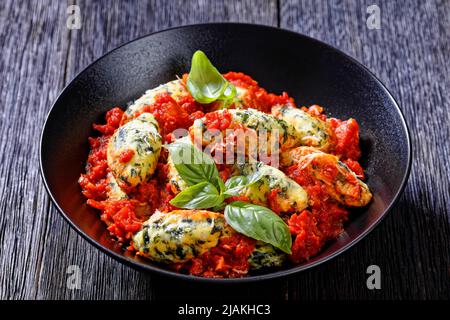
(251, 278)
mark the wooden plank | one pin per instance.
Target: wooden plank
(104, 27)
(33, 50)
(410, 54)
(121, 21)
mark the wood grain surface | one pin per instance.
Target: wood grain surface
(40, 55)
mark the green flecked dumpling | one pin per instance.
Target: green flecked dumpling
(266, 256)
(179, 235)
(140, 136)
(290, 196)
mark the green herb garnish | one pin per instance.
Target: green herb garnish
(200, 196)
(259, 223)
(199, 171)
(207, 190)
(193, 165)
(206, 84)
(236, 184)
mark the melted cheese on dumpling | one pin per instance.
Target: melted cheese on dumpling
(141, 137)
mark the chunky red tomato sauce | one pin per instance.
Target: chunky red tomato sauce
(172, 114)
(322, 222)
(345, 134)
(218, 121)
(94, 182)
(229, 259)
(311, 228)
(257, 97)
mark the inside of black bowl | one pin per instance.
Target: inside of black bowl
(311, 72)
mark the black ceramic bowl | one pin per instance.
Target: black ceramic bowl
(310, 71)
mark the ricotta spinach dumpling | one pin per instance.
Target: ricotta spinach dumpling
(179, 235)
(174, 89)
(133, 151)
(341, 183)
(310, 131)
(273, 187)
(266, 256)
(260, 133)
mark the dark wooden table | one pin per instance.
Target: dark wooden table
(40, 55)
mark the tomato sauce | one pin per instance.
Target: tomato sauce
(347, 134)
(94, 182)
(322, 222)
(355, 167)
(218, 121)
(229, 259)
(123, 217)
(272, 202)
(308, 238)
(126, 156)
(257, 97)
(119, 216)
(172, 114)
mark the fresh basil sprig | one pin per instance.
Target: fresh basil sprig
(259, 223)
(236, 184)
(207, 190)
(205, 83)
(193, 165)
(200, 196)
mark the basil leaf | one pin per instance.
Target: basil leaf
(229, 92)
(221, 185)
(205, 83)
(236, 184)
(259, 223)
(220, 206)
(200, 196)
(228, 95)
(193, 165)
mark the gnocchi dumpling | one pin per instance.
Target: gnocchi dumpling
(341, 184)
(115, 192)
(289, 195)
(179, 235)
(266, 256)
(310, 131)
(259, 133)
(133, 151)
